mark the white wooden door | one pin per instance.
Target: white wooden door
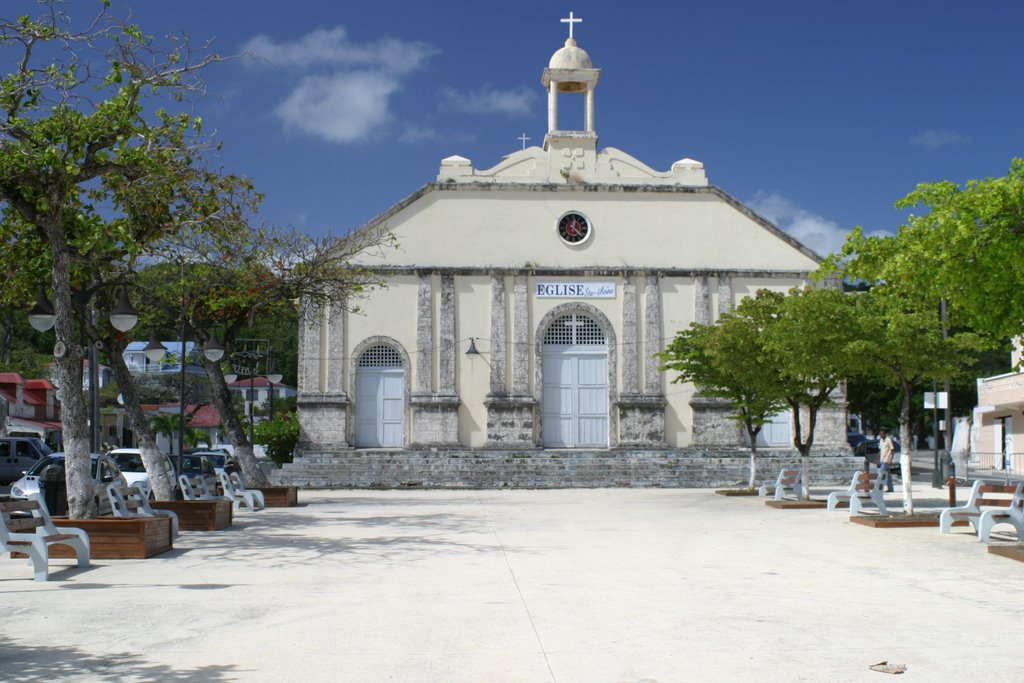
(380, 399)
(575, 391)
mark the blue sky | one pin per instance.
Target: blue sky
(818, 115)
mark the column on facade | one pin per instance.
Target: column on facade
(653, 334)
(447, 349)
(520, 337)
(630, 352)
(724, 293)
(309, 348)
(424, 334)
(702, 300)
(336, 349)
(499, 315)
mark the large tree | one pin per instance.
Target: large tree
(807, 341)
(90, 155)
(965, 248)
(726, 360)
(231, 274)
(903, 343)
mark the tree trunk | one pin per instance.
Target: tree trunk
(77, 463)
(905, 451)
(752, 433)
(161, 481)
(251, 473)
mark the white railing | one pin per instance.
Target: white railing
(991, 465)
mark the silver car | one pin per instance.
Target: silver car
(104, 471)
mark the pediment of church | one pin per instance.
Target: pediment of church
(516, 225)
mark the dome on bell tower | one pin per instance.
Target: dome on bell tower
(570, 57)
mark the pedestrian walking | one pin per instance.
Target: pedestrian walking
(886, 451)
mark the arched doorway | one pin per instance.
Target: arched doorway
(575, 383)
(380, 398)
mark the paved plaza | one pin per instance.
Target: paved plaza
(605, 585)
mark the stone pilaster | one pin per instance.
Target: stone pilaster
(630, 343)
(424, 335)
(446, 346)
(724, 293)
(702, 300)
(511, 419)
(653, 335)
(322, 401)
(642, 414)
(520, 337)
(498, 322)
(435, 416)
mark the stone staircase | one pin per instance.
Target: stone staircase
(393, 469)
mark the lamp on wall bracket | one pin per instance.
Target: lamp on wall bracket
(472, 347)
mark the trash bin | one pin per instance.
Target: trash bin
(53, 486)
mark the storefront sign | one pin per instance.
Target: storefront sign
(575, 290)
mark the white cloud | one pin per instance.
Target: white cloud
(331, 47)
(517, 102)
(814, 231)
(415, 133)
(345, 107)
(346, 94)
(934, 139)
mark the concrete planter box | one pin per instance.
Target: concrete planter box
(280, 496)
(198, 515)
(120, 538)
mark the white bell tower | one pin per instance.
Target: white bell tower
(571, 71)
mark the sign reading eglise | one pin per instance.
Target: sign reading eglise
(575, 290)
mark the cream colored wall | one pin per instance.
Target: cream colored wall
(389, 312)
(473, 373)
(509, 228)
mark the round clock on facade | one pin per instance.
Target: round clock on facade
(573, 228)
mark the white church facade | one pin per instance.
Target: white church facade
(527, 301)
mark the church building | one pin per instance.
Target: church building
(526, 303)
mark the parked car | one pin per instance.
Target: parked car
(104, 471)
(18, 454)
(129, 460)
(204, 463)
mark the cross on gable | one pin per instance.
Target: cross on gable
(572, 20)
(523, 138)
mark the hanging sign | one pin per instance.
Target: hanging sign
(570, 289)
(936, 400)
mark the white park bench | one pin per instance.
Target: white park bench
(133, 501)
(990, 500)
(787, 481)
(865, 487)
(26, 527)
(233, 488)
(195, 488)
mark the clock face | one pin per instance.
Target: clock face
(573, 228)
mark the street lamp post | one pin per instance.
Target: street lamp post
(245, 364)
(123, 318)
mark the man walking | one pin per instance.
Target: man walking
(886, 450)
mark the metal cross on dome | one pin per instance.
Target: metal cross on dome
(572, 20)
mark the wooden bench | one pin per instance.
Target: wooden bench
(986, 497)
(133, 501)
(788, 480)
(26, 528)
(865, 487)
